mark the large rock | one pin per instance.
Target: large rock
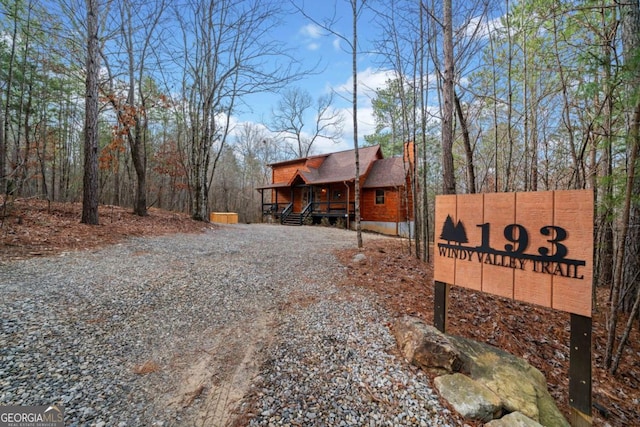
(519, 386)
(426, 347)
(468, 397)
(511, 378)
(515, 419)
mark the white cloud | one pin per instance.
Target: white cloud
(309, 34)
(311, 31)
(366, 126)
(336, 44)
(369, 81)
(323, 145)
(481, 27)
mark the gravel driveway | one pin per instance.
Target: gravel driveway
(243, 324)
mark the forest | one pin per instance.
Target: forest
(133, 103)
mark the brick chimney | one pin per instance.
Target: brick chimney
(409, 152)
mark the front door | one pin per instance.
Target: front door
(300, 198)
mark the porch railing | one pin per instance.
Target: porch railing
(273, 208)
(333, 207)
(306, 212)
(286, 212)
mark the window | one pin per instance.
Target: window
(337, 195)
(379, 197)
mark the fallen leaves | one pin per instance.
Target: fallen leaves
(32, 227)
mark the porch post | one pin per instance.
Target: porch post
(348, 215)
(398, 203)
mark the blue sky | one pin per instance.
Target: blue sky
(313, 44)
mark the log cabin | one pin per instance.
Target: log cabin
(308, 189)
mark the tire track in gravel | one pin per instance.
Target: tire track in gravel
(209, 384)
(237, 359)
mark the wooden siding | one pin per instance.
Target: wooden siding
(370, 211)
(393, 209)
(285, 173)
(284, 196)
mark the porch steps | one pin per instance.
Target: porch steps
(292, 219)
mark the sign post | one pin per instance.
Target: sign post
(534, 247)
(580, 371)
(441, 296)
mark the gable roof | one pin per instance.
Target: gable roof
(386, 173)
(340, 166)
(334, 167)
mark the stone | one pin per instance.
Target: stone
(520, 387)
(359, 258)
(469, 398)
(550, 415)
(425, 346)
(515, 389)
(514, 419)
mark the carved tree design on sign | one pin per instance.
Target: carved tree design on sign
(453, 232)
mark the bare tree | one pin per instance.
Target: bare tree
(352, 43)
(289, 120)
(225, 51)
(355, 9)
(132, 107)
(468, 149)
(254, 150)
(448, 177)
(90, 181)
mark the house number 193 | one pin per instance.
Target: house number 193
(518, 236)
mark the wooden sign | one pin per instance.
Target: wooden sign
(534, 247)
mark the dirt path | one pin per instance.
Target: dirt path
(219, 377)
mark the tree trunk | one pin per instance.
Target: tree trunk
(90, 180)
(631, 46)
(448, 177)
(619, 277)
(471, 175)
(423, 136)
(3, 155)
(4, 148)
(508, 185)
(354, 67)
(630, 13)
(139, 158)
(604, 226)
(627, 331)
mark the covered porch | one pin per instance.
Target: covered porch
(300, 203)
